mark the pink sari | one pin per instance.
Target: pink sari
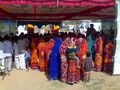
(64, 63)
(73, 72)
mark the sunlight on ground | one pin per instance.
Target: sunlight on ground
(36, 80)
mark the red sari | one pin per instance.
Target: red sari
(48, 48)
(42, 57)
(108, 54)
(64, 63)
(34, 56)
(73, 74)
(98, 53)
(82, 50)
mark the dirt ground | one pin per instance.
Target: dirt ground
(36, 80)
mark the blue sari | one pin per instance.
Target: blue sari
(54, 64)
(89, 39)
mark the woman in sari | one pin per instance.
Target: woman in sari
(89, 39)
(41, 54)
(73, 71)
(54, 64)
(82, 50)
(48, 48)
(34, 54)
(108, 56)
(64, 63)
(98, 47)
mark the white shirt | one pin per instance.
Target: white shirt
(7, 48)
(15, 47)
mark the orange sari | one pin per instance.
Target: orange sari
(48, 48)
(82, 50)
(49, 45)
(70, 69)
(108, 57)
(98, 53)
(42, 57)
(34, 56)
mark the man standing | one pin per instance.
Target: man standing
(91, 31)
(8, 51)
(22, 48)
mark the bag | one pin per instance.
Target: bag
(71, 55)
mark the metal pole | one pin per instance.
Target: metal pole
(116, 63)
(9, 26)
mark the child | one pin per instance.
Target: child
(71, 50)
(27, 58)
(88, 66)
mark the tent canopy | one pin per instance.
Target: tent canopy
(61, 2)
(57, 9)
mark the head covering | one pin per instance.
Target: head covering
(30, 26)
(56, 28)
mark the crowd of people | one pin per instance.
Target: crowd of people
(68, 57)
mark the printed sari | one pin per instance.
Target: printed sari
(42, 57)
(108, 57)
(73, 72)
(64, 63)
(98, 54)
(82, 50)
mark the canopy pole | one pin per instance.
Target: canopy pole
(116, 58)
(9, 25)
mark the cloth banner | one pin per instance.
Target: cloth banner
(62, 2)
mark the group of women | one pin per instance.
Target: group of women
(50, 54)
